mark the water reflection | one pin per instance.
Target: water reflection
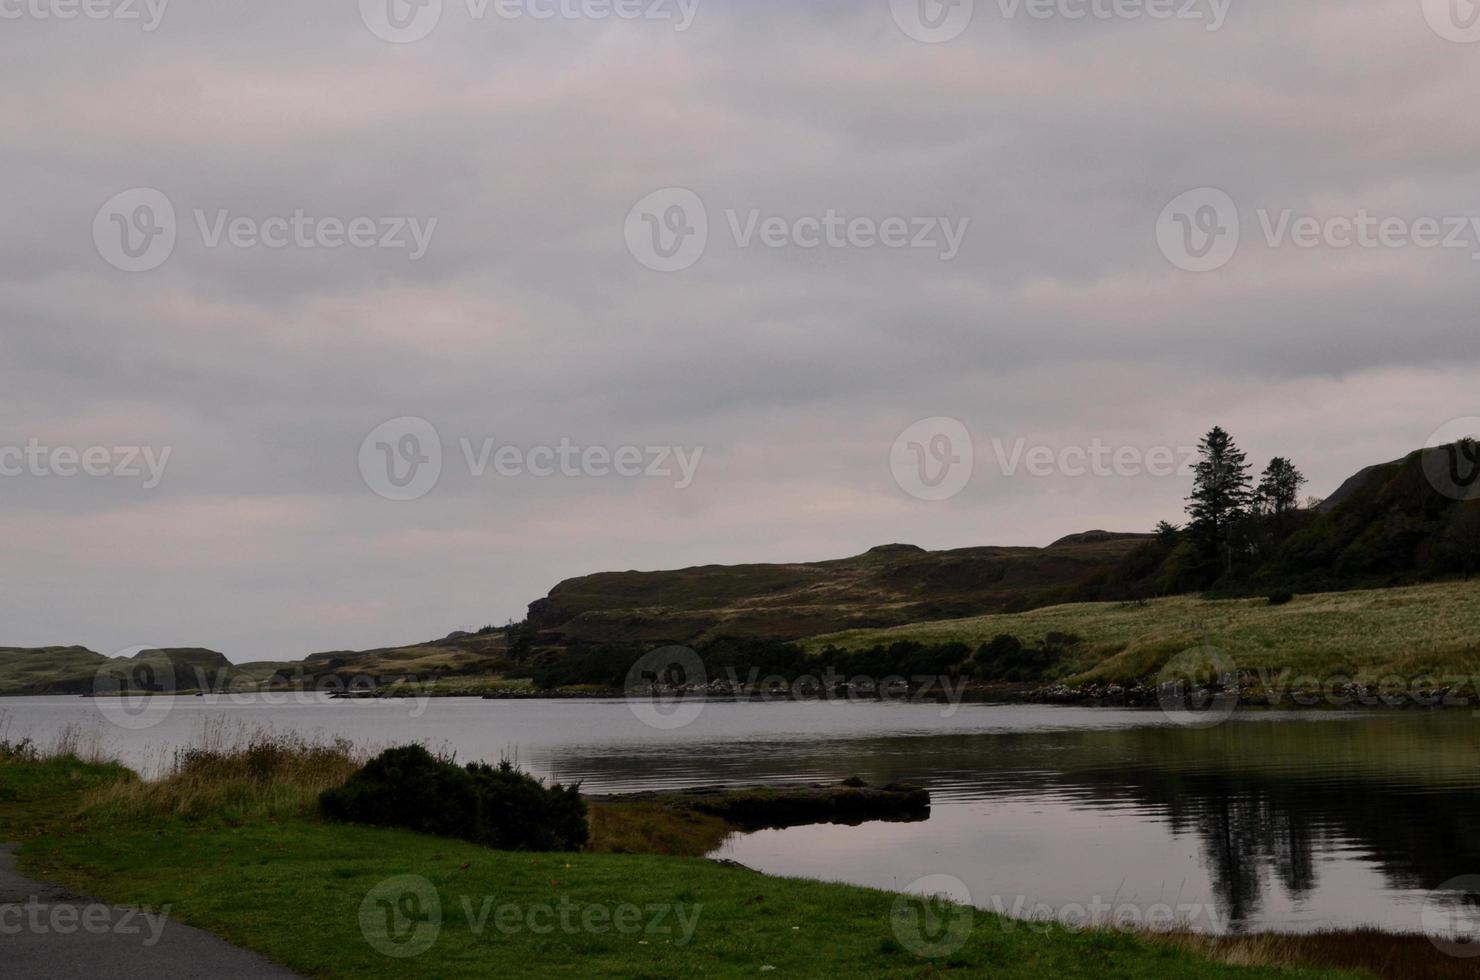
(1293, 820)
(1276, 821)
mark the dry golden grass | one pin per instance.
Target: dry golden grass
(234, 774)
(650, 828)
(1391, 957)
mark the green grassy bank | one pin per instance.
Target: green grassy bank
(254, 865)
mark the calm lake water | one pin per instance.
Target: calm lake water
(1289, 822)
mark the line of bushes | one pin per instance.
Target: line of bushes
(754, 660)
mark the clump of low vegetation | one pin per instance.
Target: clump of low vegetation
(654, 828)
(1006, 658)
(234, 776)
(496, 806)
(21, 750)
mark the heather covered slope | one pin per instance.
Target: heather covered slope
(886, 586)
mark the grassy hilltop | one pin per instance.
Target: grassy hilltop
(886, 586)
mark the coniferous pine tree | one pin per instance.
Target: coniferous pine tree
(1221, 493)
(1279, 487)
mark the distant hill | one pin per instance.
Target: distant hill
(885, 586)
(1389, 524)
(48, 670)
(77, 670)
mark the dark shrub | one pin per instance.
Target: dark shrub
(496, 806)
(1003, 648)
(1005, 658)
(1000, 659)
(1281, 598)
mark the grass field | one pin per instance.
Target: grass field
(248, 859)
(1405, 632)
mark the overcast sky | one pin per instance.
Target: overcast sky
(146, 299)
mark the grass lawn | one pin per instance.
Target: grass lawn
(295, 889)
(35, 793)
(1405, 632)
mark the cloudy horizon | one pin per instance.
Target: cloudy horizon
(300, 304)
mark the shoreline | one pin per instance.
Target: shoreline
(1352, 698)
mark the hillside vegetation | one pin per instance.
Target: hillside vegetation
(1365, 635)
(1092, 606)
(886, 586)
